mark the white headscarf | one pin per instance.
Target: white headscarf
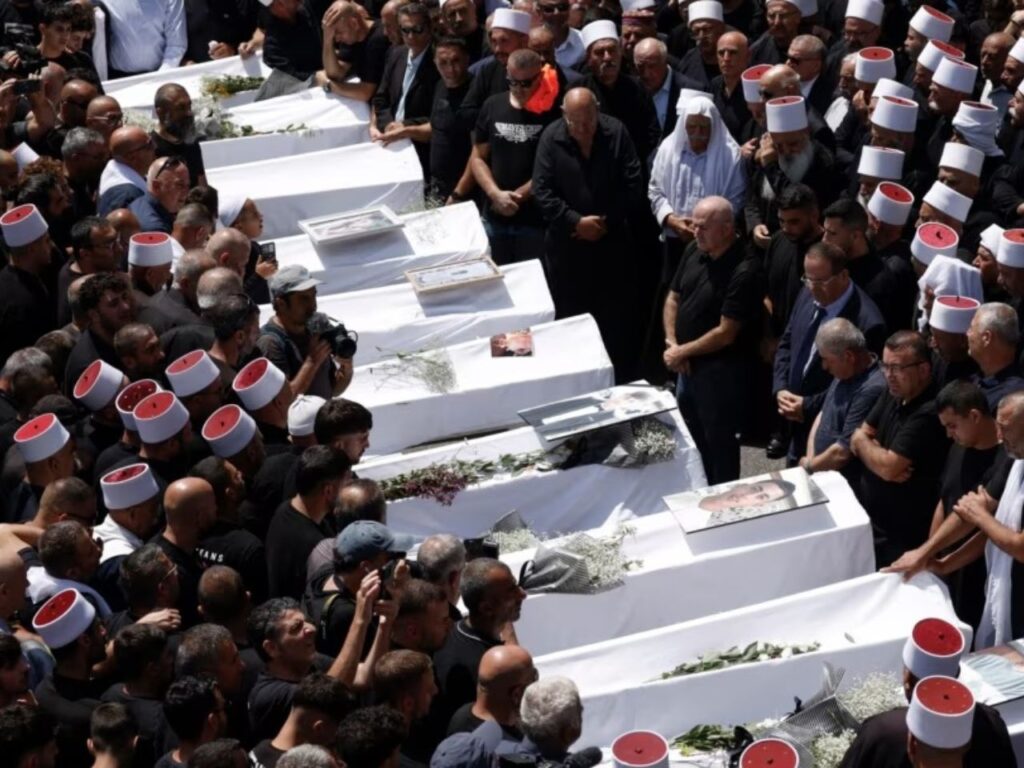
(948, 276)
(723, 154)
(980, 134)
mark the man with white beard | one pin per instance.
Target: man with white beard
(952, 83)
(787, 155)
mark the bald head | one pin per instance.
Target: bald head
(104, 115)
(230, 248)
(190, 505)
(651, 48)
(580, 99)
(125, 222)
(504, 665)
(780, 80)
(716, 207)
(215, 283)
(124, 139)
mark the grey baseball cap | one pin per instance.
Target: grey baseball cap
(365, 539)
(290, 279)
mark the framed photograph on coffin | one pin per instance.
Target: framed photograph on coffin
(351, 225)
(446, 277)
(995, 675)
(618, 405)
(747, 499)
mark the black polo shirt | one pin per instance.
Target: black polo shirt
(290, 538)
(901, 513)
(456, 666)
(190, 153)
(293, 47)
(709, 289)
(366, 59)
(449, 138)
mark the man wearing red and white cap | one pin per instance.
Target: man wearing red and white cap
(952, 83)
(97, 389)
(265, 393)
(945, 205)
(784, 80)
(941, 723)
(232, 434)
(165, 434)
(926, 24)
(127, 446)
(131, 497)
(931, 56)
(196, 379)
(638, 24)
(705, 20)
(933, 649)
(28, 310)
(48, 451)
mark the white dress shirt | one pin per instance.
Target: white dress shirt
(570, 53)
(806, 85)
(661, 105)
(146, 35)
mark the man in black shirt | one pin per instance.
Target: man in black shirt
(194, 709)
(353, 46)
(902, 448)
(509, 32)
(727, 88)
(449, 136)
(225, 24)
(505, 672)
(712, 321)
(291, 45)
(305, 520)
(175, 135)
(28, 310)
(494, 600)
(460, 20)
(507, 133)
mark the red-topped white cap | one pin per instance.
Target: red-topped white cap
(962, 157)
(640, 749)
(128, 486)
(704, 10)
(192, 372)
(935, 51)
(868, 10)
(889, 87)
(1011, 248)
(159, 417)
(941, 713)
(976, 114)
(23, 225)
(881, 163)
(956, 75)
(751, 79)
(229, 430)
(602, 29)
(514, 21)
(891, 203)
(934, 239)
(131, 396)
(258, 383)
(150, 249)
(98, 385)
(895, 114)
(786, 113)
(953, 314)
(949, 201)
(64, 618)
(41, 438)
(770, 753)
(1017, 51)
(872, 64)
(933, 648)
(933, 24)
(990, 237)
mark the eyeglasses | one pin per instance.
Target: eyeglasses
(555, 8)
(419, 29)
(897, 367)
(169, 164)
(171, 572)
(525, 83)
(812, 283)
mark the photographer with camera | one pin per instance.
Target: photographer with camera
(314, 353)
(40, 120)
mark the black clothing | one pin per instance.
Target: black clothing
(882, 742)
(113, 456)
(88, 348)
(287, 353)
(270, 701)
(266, 491)
(229, 544)
(332, 613)
(450, 144)
(226, 21)
(189, 152)
(290, 538)
(456, 666)
(890, 284)
(692, 65)
(732, 107)
(367, 59)
(264, 755)
(155, 736)
(173, 307)
(418, 100)
(783, 268)
(763, 209)
(627, 101)
(26, 312)
(901, 513)
(595, 277)
(463, 721)
(190, 570)
(294, 48)
(70, 703)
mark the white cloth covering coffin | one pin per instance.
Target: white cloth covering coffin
(556, 501)
(395, 319)
(137, 92)
(861, 624)
(695, 576)
(439, 236)
(287, 189)
(328, 121)
(568, 360)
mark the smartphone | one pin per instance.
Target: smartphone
(268, 252)
(25, 87)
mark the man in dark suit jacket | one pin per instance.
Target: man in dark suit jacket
(662, 82)
(800, 382)
(405, 95)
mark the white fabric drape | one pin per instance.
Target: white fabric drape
(995, 618)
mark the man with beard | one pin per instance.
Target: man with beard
(1011, 132)
(95, 248)
(618, 95)
(123, 179)
(1013, 67)
(700, 63)
(862, 28)
(637, 24)
(568, 41)
(787, 155)
(784, 80)
(460, 20)
(48, 192)
(236, 328)
(507, 133)
(995, 50)
(75, 97)
(726, 88)
(926, 24)
(450, 143)
(105, 299)
(876, 164)
(166, 190)
(1008, 182)
(952, 83)
(846, 87)
(175, 134)
(783, 18)
(85, 153)
(138, 347)
(28, 310)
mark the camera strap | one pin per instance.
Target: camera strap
(291, 349)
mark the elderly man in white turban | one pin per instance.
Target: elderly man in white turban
(240, 213)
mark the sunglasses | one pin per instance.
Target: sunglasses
(419, 29)
(169, 164)
(556, 8)
(516, 83)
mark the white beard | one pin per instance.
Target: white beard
(796, 167)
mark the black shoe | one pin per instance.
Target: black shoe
(776, 448)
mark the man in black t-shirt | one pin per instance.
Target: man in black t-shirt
(902, 447)
(450, 144)
(353, 46)
(505, 672)
(507, 133)
(712, 322)
(175, 135)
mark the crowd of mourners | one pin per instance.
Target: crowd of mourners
(805, 217)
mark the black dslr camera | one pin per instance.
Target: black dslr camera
(31, 60)
(341, 340)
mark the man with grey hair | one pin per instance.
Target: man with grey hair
(662, 82)
(25, 363)
(992, 340)
(213, 284)
(192, 226)
(806, 57)
(307, 756)
(179, 302)
(443, 556)
(84, 152)
(857, 384)
(551, 719)
(166, 190)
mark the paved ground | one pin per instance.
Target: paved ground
(754, 462)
